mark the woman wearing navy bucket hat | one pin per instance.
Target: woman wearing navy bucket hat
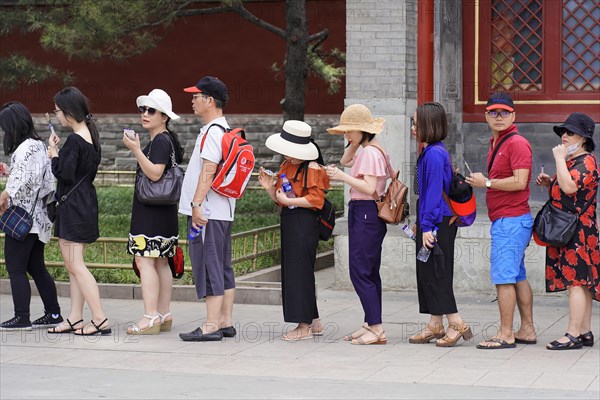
(575, 266)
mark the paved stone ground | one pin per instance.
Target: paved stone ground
(258, 364)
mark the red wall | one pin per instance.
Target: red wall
(223, 45)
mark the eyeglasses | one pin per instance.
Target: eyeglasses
(56, 111)
(568, 133)
(204, 96)
(494, 114)
(151, 111)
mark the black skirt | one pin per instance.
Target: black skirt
(299, 240)
(435, 277)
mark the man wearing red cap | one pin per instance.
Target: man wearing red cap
(211, 214)
(509, 165)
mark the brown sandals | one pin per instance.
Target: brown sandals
(428, 334)
(378, 339)
(463, 330)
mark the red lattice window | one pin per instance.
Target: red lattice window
(545, 53)
(516, 45)
(580, 45)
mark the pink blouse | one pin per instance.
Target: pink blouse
(369, 161)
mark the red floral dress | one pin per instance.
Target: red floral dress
(577, 263)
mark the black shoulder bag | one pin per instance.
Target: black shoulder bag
(326, 215)
(555, 226)
(52, 202)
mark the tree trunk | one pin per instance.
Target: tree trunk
(296, 60)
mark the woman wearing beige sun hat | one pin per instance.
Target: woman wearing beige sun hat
(368, 175)
(299, 224)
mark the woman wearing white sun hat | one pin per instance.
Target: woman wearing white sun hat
(153, 234)
(299, 225)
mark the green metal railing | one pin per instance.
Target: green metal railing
(245, 246)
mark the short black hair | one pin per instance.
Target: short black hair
(432, 124)
(588, 145)
(17, 124)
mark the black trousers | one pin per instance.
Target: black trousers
(435, 277)
(299, 239)
(28, 257)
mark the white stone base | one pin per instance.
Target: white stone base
(471, 260)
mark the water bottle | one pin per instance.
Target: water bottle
(286, 186)
(409, 232)
(425, 252)
(195, 232)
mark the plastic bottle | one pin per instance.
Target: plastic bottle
(425, 252)
(409, 232)
(195, 232)
(286, 186)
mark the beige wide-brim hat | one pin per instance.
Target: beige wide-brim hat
(294, 141)
(159, 100)
(357, 117)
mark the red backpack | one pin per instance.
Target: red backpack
(237, 163)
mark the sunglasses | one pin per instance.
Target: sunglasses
(151, 111)
(503, 114)
(568, 133)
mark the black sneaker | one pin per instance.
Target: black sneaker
(18, 323)
(47, 321)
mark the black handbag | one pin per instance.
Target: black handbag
(326, 220)
(556, 226)
(165, 191)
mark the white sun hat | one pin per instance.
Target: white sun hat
(294, 141)
(159, 100)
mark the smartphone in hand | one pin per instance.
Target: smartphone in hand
(130, 133)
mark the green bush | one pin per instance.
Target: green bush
(254, 210)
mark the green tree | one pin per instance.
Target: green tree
(119, 29)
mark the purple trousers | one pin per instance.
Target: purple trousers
(365, 236)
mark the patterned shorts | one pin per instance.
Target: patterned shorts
(158, 246)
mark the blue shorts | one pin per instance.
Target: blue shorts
(510, 238)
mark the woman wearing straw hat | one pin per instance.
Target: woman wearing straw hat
(365, 229)
(153, 234)
(299, 224)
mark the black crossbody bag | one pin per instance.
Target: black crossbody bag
(556, 226)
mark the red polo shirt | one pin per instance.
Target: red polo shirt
(515, 153)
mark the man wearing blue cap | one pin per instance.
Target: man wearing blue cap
(509, 164)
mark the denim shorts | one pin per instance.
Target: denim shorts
(510, 238)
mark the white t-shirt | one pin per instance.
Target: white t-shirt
(221, 208)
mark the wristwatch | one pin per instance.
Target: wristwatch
(195, 205)
(488, 183)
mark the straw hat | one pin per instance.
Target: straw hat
(357, 117)
(294, 141)
(159, 100)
